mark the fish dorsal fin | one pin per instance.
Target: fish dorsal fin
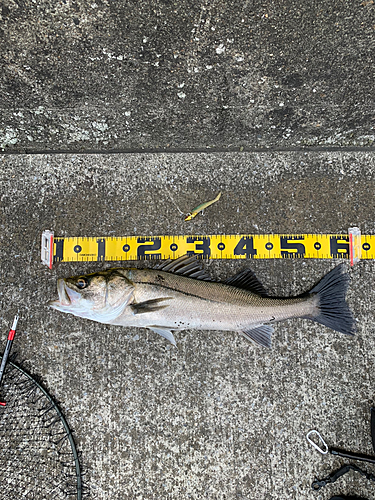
(187, 265)
(259, 335)
(248, 281)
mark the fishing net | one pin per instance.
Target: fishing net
(38, 458)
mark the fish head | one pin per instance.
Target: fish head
(100, 296)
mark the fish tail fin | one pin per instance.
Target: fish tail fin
(332, 309)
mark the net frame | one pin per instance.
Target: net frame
(57, 442)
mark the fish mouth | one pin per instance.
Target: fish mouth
(65, 295)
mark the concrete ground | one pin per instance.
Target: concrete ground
(115, 116)
(217, 417)
(80, 75)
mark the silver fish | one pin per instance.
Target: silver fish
(179, 295)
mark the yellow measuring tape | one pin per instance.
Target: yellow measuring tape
(213, 246)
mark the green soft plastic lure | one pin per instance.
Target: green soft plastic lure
(201, 207)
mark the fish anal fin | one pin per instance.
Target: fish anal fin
(164, 332)
(247, 280)
(149, 305)
(259, 335)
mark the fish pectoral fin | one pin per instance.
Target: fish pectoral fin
(259, 335)
(164, 332)
(149, 305)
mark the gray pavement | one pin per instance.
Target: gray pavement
(217, 417)
(114, 116)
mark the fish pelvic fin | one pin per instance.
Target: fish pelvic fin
(164, 332)
(149, 305)
(259, 335)
(332, 309)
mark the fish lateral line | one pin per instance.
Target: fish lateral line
(188, 294)
(229, 288)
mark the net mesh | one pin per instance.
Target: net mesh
(38, 458)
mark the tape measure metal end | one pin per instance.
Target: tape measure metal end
(47, 248)
(355, 245)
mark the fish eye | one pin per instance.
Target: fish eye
(82, 283)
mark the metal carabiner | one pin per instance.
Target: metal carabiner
(323, 450)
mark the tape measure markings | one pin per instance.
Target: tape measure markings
(243, 246)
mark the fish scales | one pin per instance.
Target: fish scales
(211, 305)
